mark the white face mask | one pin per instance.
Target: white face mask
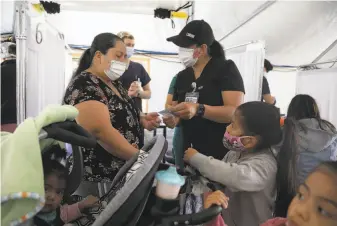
(116, 70)
(186, 57)
(129, 51)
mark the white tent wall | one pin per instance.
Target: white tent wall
(282, 86)
(162, 71)
(249, 61)
(45, 65)
(320, 84)
(7, 16)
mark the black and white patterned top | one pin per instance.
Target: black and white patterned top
(101, 166)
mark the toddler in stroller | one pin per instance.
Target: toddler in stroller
(22, 198)
(55, 176)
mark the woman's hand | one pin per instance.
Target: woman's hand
(216, 198)
(189, 153)
(170, 121)
(150, 121)
(134, 89)
(185, 110)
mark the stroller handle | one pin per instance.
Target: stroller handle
(193, 219)
(68, 132)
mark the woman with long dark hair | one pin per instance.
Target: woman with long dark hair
(106, 110)
(317, 138)
(314, 139)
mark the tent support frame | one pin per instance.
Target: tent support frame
(314, 64)
(21, 39)
(259, 10)
(320, 56)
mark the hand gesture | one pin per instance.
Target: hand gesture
(151, 121)
(189, 153)
(185, 110)
(134, 89)
(88, 202)
(216, 198)
(170, 120)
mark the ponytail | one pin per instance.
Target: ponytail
(85, 62)
(286, 177)
(216, 50)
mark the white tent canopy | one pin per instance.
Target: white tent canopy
(295, 32)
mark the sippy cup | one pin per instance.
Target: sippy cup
(169, 183)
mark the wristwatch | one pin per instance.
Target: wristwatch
(201, 110)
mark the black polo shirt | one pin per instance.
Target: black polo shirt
(206, 136)
(134, 72)
(265, 87)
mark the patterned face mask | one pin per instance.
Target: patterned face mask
(233, 143)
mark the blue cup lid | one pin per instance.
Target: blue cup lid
(170, 176)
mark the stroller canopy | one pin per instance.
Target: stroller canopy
(22, 184)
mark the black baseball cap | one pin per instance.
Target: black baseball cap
(196, 32)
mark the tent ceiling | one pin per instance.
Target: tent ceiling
(295, 32)
(121, 6)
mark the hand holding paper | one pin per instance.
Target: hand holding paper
(169, 118)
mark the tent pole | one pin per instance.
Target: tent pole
(191, 11)
(313, 64)
(320, 56)
(20, 34)
(241, 45)
(262, 8)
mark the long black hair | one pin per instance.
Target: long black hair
(304, 106)
(263, 120)
(286, 176)
(102, 42)
(216, 50)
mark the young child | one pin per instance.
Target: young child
(55, 175)
(250, 170)
(314, 204)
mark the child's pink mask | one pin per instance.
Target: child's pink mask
(233, 143)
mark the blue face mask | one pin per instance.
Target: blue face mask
(129, 51)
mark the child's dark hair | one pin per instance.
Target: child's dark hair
(303, 106)
(52, 162)
(263, 120)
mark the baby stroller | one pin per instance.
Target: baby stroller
(130, 200)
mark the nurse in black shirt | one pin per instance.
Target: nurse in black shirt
(266, 95)
(207, 92)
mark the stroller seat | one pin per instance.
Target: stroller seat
(22, 185)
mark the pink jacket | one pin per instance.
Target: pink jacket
(70, 212)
